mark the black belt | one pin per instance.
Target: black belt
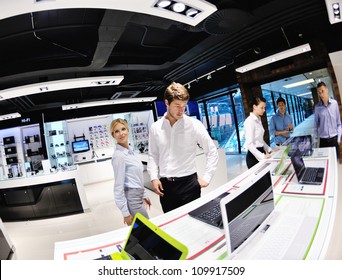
(329, 139)
(174, 179)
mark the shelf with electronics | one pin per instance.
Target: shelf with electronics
(58, 145)
(11, 159)
(139, 125)
(33, 150)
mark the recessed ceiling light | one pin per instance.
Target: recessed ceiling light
(178, 7)
(277, 57)
(191, 12)
(163, 3)
(300, 83)
(108, 102)
(60, 85)
(303, 94)
(10, 116)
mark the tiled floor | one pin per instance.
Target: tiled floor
(34, 240)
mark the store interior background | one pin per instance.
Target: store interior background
(221, 93)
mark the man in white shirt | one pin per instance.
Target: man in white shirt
(173, 141)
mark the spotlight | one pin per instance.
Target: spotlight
(189, 86)
(336, 11)
(191, 12)
(163, 3)
(178, 7)
(209, 77)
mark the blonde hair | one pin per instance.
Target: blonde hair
(116, 122)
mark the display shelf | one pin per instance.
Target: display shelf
(58, 145)
(140, 137)
(12, 165)
(33, 153)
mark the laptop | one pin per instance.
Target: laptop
(245, 210)
(146, 241)
(303, 143)
(255, 229)
(306, 175)
(210, 212)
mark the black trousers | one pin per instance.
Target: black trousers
(251, 160)
(330, 142)
(179, 191)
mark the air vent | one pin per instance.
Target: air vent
(125, 94)
(226, 21)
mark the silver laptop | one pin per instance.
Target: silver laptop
(245, 209)
(255, 229)
(306, 175)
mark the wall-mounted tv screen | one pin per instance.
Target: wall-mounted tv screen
(80, 146)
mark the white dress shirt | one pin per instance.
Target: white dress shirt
(254, 134)
(128, 173)
(172, 150)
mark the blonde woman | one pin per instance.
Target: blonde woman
(129, 192)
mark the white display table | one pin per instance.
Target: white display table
(204, 241)
(42, 195)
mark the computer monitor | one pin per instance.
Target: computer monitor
(80, 146)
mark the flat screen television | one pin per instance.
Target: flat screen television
(80, 146)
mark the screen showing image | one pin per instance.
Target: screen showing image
(145, 244)
(303, 143)
(80, 146)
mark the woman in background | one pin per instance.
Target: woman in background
(254, 133)
(129, 192)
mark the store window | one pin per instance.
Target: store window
(221, 120)
(224, 116)
(239, 137)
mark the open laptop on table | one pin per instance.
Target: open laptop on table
(255, 229)
(306, 175)
(210, 212)
(146, 241)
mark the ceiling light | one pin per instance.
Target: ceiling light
(186, 8)
(191, 12)
(108, 102)
(147, 7)
(60, 85)
(163, 3)
(178, 7)
(10, 116)
(300, 83)
(334, 10)
(303, 94)
(270, 59)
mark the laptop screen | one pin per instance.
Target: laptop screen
(303, 143)
(145, 243)
(246, 211)
(298, 163)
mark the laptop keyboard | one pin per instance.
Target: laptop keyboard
(212, 214)
(310, 175)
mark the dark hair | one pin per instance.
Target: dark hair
(256, 101)
(321, 84)
(176, 91)
(280, 99)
